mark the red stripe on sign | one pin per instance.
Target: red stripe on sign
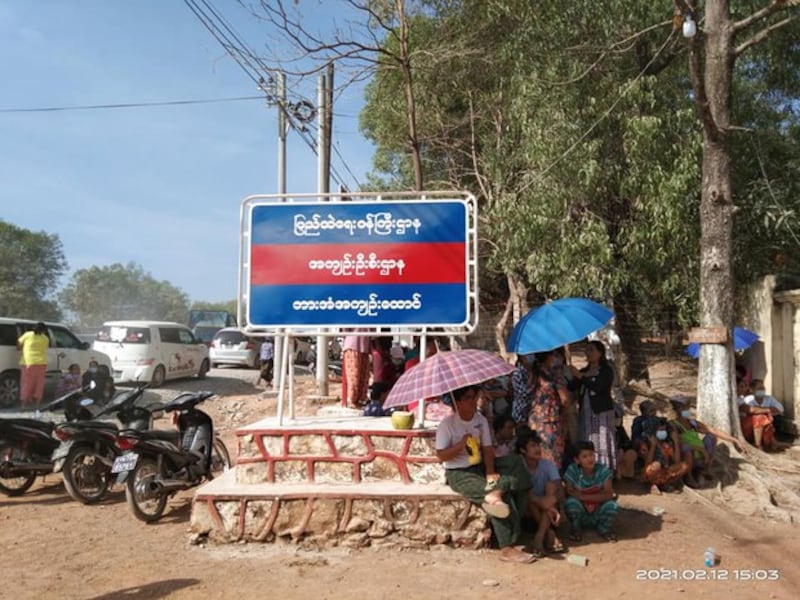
(357, 263)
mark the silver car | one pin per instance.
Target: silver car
(231, 347)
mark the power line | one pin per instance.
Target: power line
(253, 67)
(127, 105)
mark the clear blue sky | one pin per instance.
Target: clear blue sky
(157, 186)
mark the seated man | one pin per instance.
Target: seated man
(590, 495)
(500, 486)
(545, 495)
(698, 442)
(103, 388)
(758, 412)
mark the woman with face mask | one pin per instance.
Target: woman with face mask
(698, 443)
(663, 467)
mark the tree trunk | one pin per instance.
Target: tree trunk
(411, 106)
(715, 385)
(633, 362)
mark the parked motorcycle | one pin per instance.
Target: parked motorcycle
(27, 445)
(88, 448)
(156, 465)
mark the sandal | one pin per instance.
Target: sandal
(558, 547)
(609, 536)
(499, 510)
(516, 556)
(536, 552)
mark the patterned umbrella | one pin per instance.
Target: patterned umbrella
(556, 324)
(445, 372)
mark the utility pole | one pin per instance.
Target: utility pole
(283, 125)
(325, 112)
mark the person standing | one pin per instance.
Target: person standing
(33, 363)
(355, 370)
(548, 401)
(266, 355)
(597, 418)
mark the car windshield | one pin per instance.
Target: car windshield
(123, 335)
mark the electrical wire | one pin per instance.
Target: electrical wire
(127, 105)
(252, 65)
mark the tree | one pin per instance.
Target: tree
(31, 263)
(725, 39)
(230, 306)
(578, 147)
(113, 292)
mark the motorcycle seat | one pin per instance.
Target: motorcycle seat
(167, 435)
(94, 425)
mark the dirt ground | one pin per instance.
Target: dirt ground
(53, 547)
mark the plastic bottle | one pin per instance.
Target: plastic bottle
(709, 558)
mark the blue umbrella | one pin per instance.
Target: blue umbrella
(742, 339)
(556, 324)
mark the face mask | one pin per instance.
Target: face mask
(92, 369)
(761, 393)
(686, 414)
(661, 435)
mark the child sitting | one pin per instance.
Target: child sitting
(504, 429)
(590, 495)
(663, 467)
(69, 381)
(546, 494)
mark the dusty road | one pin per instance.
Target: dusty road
(53, 547)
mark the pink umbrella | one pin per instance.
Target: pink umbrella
(444, 372)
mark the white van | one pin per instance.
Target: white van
(65, 349)
(152, 350)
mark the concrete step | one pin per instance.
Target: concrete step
(386, 513)
(335, 450)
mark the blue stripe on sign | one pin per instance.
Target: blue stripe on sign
(347, 223)
(357, 305)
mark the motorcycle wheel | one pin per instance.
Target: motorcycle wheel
(86, 478)
(220, 459)
(146, 506)
(14, 485)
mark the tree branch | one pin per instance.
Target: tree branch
(771, 8)
(763, 34)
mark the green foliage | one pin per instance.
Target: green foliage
(31, 264)
(574, 124)
(99, 294)
(228, 306)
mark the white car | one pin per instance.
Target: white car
(152, 350)
(232, 347)
(65, 349)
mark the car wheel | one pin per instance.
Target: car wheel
(159, 375)
(9, 389)
(201, 374)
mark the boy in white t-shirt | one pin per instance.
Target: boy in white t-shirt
(499, 485)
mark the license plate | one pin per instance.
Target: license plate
(126, 462)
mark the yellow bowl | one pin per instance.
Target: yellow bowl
(402, 419)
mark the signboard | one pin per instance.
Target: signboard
(403, 263)
(708, 335)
